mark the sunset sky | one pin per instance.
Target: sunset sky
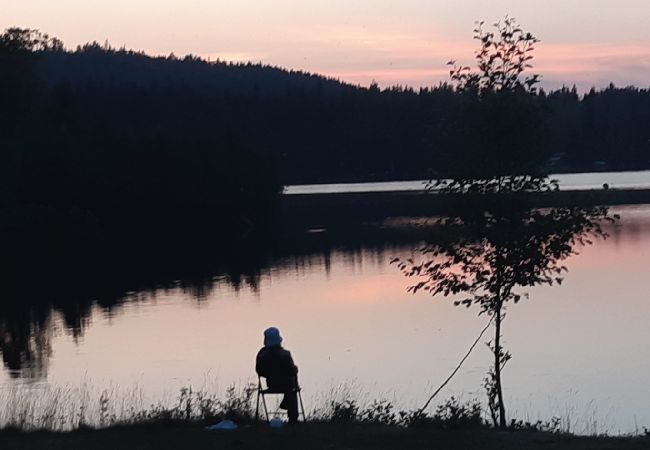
(408, 42)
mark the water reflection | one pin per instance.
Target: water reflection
(32, 304)
(25, 344)
(346, 317)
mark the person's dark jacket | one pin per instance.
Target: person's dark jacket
(277, 366)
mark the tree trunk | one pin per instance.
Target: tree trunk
(497, 366)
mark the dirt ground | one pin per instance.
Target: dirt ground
(303, 437)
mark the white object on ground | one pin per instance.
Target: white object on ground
(223, 425)
(276, 423)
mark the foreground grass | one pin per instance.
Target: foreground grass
(306, 436)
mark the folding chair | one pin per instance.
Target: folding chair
(262, 393)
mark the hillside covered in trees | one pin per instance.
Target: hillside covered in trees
(316, 129)
(90, 166)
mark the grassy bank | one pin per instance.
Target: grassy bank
(66, 419)
(306, 436)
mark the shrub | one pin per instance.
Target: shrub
(451, 415)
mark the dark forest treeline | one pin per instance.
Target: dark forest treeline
(116, 143)
(319, 130)
(316, 128)
(145, 145)
(79, 172)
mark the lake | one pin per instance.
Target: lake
(579, 351)
(568, 182)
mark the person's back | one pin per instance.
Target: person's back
(276, 365)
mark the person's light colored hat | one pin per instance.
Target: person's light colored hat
(272, 337)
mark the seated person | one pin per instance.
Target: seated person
(276, 365)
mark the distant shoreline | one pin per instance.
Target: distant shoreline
(568, 181)
(319, 209)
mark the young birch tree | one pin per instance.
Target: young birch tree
(495, 244)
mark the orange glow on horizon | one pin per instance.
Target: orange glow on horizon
(559, 64)
(395, 44)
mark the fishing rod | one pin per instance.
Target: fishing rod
(457, 367)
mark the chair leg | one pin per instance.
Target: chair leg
(302, 407)
(257, 406)
(266, 411)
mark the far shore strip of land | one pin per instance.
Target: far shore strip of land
(359, 206)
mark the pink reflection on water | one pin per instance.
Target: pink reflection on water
(584, 341)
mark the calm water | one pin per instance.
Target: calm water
(568, 182)
(580, 351)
